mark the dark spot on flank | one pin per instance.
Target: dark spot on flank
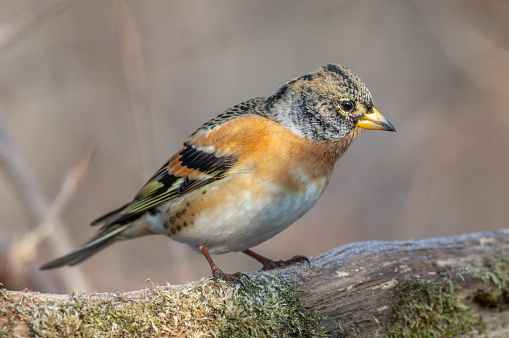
(179, 227)
(188, 204)
(173, 231)
(184, 211)
(307, 77)
(204, 192)
(172, 220)
(178, 215)
(185, 224)
(165, 225)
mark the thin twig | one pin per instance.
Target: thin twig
(24, 250)
(25, 183)
(67, 191)
(135, 76)
(36, 203)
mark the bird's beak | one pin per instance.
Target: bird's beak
(375, 121)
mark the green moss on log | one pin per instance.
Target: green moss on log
(268, 306)
(431, 308)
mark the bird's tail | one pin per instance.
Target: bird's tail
(103, 239)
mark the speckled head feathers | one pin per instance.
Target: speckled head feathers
(349, 83)
(313, 105)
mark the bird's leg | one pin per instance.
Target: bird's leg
(269, 264)
(217, 273)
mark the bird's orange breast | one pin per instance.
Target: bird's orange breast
(278, 177)
(274, 153)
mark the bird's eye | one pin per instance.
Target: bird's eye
(347, 106)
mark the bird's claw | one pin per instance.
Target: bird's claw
(270, 264)
(235, 278)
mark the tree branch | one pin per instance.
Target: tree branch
(444, 286)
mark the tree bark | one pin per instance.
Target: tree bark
(364, 289)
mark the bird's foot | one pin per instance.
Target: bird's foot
(269, 264)
(218, 274)
(235, 278)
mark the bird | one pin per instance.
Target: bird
(247, 174)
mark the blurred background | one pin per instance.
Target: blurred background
(133, 79)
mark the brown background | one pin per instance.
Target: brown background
(438, 70)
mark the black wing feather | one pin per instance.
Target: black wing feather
(165, 185)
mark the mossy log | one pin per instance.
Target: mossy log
(444, 286)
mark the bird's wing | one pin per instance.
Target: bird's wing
(197, 164)
(207, 157)
(191, 168)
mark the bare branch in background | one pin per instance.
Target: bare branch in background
(135, 76)
(24, 250)
(34, 16)
(36, 203)
(22, 178)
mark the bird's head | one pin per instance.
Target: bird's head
(326, 105)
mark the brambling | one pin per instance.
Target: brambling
(249, 173)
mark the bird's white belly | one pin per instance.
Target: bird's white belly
(246, 220)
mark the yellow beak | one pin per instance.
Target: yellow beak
(375, 121)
